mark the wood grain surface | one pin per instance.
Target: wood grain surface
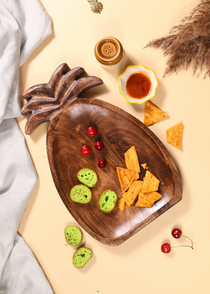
(69, 118)
(118, 131)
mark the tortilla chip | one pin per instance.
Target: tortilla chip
(128, 185)
(125, 177)
(121, 204)
(132, 193)
(150, 183)
(131, 159)
(153, 114)
(174, 136)
(148, 199)
(127, 200)
(144, 165)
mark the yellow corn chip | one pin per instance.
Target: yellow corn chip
(150, 183)
(174, 135)
(121, 204)
(144, 165)
(124, 182)
(127, 200)
(128, 185)
(148, 199)
(132, 193)
(131, 159)
(153, 114)
(125, 177)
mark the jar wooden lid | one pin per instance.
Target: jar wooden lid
(108, 51)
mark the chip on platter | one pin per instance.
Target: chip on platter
(126, 177)
(132, 187)
(144, 165)
(127, 200)
(148, 199)
(174, 136)
(126, 189)
(150, 183)
(132, 193)
(153, 114)
(121, 204)
(131, 159)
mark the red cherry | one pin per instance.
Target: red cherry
(166, 248)
(176, 233)
(102, 163)
(99, 145)
(91, 131)
(85, 150)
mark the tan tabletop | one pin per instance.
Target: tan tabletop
(137, 265)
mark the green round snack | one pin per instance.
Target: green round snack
(73, 235)
(80, 194)
(82, 256)
(87, 176)
(107, 201)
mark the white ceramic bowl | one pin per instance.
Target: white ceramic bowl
(122, 80)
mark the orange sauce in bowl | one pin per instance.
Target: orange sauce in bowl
(138, 85)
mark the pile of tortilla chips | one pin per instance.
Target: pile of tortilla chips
(135, 192)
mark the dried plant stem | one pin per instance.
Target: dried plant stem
(189, 42)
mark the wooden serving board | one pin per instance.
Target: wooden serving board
(118, 130)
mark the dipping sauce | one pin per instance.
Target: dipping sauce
(138, 85)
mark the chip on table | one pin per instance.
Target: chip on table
(153, 114)
(174, 135)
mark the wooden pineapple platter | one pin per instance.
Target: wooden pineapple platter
(69, 117)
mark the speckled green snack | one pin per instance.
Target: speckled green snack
(107, 201)
(73, 235)
(87, 176)
(80, 194)
(82, 256)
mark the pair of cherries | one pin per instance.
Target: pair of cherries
(176, 233)
(86, 150)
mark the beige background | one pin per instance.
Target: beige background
(138, 265)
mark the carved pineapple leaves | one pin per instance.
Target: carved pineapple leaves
(46, 101)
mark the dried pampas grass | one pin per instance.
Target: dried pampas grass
(189, 42)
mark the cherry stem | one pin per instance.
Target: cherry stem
(182, 246)
(190, 240)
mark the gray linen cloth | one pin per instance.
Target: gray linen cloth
(24, 24)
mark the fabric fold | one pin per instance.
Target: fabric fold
(23, 26)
